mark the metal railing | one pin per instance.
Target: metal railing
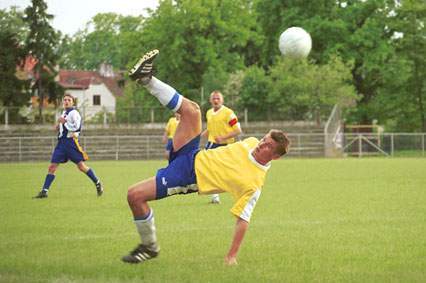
(101, 115)
(145, 147)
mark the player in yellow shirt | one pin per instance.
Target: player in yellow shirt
(169, 132)
(239, 168)
(222, 127)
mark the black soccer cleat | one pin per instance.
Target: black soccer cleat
(99, 188)
(41, 194)
(143, 69)
(140, 254)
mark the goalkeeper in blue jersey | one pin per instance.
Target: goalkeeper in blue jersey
(239, 168)
(68, 147)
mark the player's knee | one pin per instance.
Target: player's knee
(82, 167)
(133, 196)
(190, 108)
(52, 168)
(195, 108)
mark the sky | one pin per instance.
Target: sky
(72, 15)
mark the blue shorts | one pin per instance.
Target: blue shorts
(68, 149)
(169, 145)
(211, 145)
(179, 176)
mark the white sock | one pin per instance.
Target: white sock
(167, 95)
(146, 229)
(215, 198)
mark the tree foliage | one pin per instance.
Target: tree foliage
(12, 89)
(107, 38)
(41, 44)
(369, 53)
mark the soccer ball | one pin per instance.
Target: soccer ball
(295, 43)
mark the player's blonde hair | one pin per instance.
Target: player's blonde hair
(216, 92)
(283, 142)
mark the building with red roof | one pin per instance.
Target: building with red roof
(95, 91)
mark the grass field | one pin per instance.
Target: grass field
(343, 220)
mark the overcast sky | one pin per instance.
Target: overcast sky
(72, 15)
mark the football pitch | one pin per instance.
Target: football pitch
(317, 220)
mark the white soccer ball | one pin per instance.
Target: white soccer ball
(295, 43)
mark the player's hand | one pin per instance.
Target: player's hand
(231, 260)
(219, 139)
(62, 120)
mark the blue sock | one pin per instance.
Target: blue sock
(48, 181)
(92, 176)
(144, 217)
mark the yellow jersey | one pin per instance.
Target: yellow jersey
(221, 122)
(171, 127)
(232, 169)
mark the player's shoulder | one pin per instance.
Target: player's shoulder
(73, 111)
(251, 140)
(227, 109)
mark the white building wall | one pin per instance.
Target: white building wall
(85, 100)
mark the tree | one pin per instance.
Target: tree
(232, 88)
(320, 18)
(196, 38)
(308, 91)
(108, 38)
(411, 23)
(41, 43)
(12, 21)
(12, 89)
(356, 30)
(254, 92)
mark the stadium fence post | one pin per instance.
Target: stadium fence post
(359, 146)
(298, 145)
(152, 115)
(117, 145)
(19, 148)
(6, 118)
(105, 118)
(147, 147)
(392, 144)
(423, 144)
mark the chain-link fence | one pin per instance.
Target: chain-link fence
(100, 115)
(145, 147)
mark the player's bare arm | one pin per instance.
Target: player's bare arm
(240, 230)
(234, 133)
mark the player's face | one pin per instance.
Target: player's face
(67, 102)
(266, 147)
(216, 100)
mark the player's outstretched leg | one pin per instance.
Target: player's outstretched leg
(190, 121)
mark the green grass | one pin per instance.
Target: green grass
(409, 153)
(342, 220)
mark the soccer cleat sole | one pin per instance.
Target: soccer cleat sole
(133, 73)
